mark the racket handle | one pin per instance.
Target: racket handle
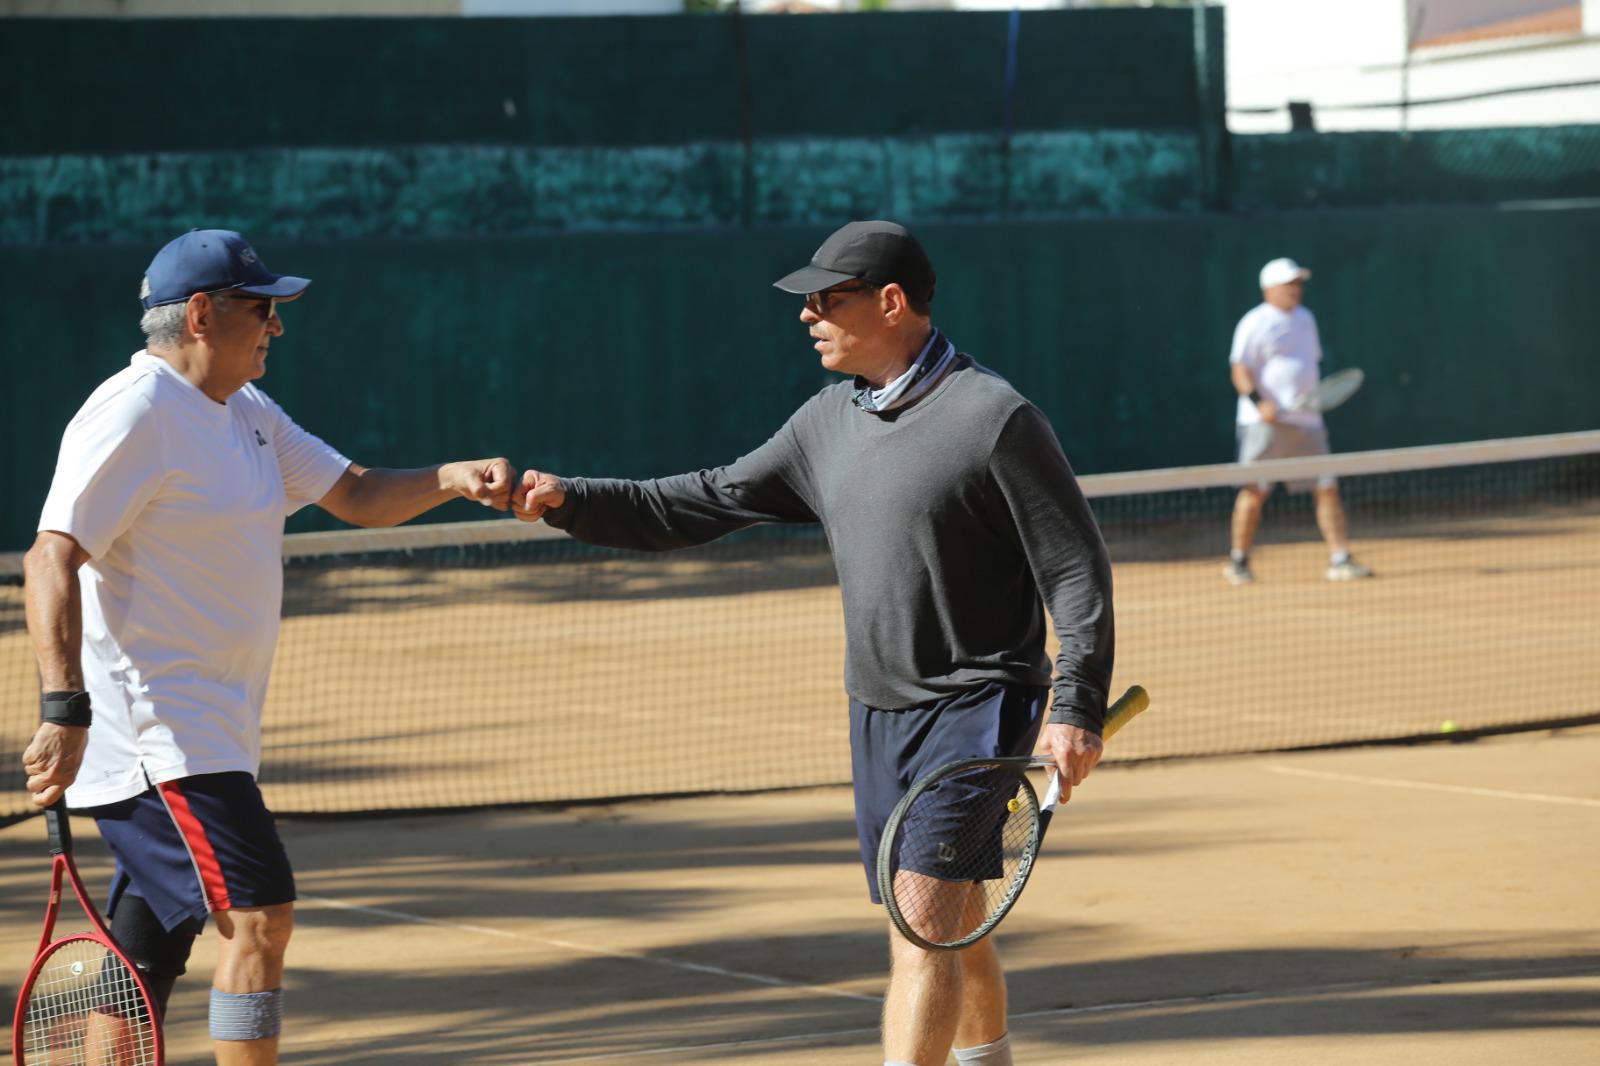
(1052, 796)
(1128, 706)
(60, 828)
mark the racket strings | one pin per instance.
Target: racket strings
(960, 851)
(85, 1008)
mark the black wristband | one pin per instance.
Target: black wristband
(1255, 397)
(66, 708)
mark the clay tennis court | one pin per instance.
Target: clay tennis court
(659, 662)
(1419, 904)
(442, 686)
(1409, 905)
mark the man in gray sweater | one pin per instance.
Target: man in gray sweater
(954, 519)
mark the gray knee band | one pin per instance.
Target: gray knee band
(246, 1015)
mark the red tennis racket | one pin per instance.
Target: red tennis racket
(83, 1003)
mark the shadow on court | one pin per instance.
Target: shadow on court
(1394, 905)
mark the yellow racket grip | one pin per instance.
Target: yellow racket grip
(1127, 707)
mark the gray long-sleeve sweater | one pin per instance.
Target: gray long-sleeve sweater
(948, 522)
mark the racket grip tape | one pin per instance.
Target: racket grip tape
(59, 827)
(1128, 706)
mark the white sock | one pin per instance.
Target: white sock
(997, 1053)
(897, 1062)
(1339, 557)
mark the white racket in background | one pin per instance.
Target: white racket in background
(1331, 391)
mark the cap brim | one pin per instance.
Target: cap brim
(809, 279)
(285, 288)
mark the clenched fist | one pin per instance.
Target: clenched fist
(537, 493)
(488, 481)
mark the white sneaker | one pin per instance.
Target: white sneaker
(1349, 570)
(1238, 573)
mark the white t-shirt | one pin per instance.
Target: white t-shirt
(180, 501)
(1282, 350)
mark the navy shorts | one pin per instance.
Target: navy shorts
(891, 750)
(193, 846)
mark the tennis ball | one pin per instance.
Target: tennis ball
(1448, 726)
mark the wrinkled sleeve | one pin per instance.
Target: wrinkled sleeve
(1069, 560)
(770, 484)
(110, 466)
(309, 465)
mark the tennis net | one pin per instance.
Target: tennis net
(495, 663)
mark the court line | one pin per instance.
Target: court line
(588, 949)
(1428, 786)
(1531, 973)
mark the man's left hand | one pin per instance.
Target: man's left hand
(1075, 751)
(488, 481)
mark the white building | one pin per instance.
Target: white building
(1474, 56)
(1360, 64)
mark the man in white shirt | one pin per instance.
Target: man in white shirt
(153, 596)
(1275, 357)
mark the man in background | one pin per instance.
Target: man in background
(1275, 358)
(153, 596)
(954, 519)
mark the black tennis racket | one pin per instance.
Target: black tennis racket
(960, 845)
(82, 1003)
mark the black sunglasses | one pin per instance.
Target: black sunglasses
(819, 303)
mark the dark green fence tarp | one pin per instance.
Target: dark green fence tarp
(552, 238)
(1374, 169)
(242, 83)
(652, 353)
(456, 191)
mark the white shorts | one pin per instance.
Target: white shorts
(1266, 440)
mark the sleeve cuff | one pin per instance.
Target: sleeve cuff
(561, 517)
(1068, 716)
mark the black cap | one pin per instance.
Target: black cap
(879, 252)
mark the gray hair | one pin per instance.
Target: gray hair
(163, 326)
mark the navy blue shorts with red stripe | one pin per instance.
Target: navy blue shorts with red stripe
(193, 846)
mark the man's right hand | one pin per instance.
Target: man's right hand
(52, 760)
(1269, 411)
(538, 493)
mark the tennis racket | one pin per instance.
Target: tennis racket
(82, 1003)
(1331, 391)
(959, 847)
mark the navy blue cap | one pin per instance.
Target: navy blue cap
(211, 260)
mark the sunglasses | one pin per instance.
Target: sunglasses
(265, 306)
(820, 303)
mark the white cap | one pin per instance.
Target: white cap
(1283, 271)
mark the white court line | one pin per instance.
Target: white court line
(1427, 786)
(587, 949)
(1530, 973)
